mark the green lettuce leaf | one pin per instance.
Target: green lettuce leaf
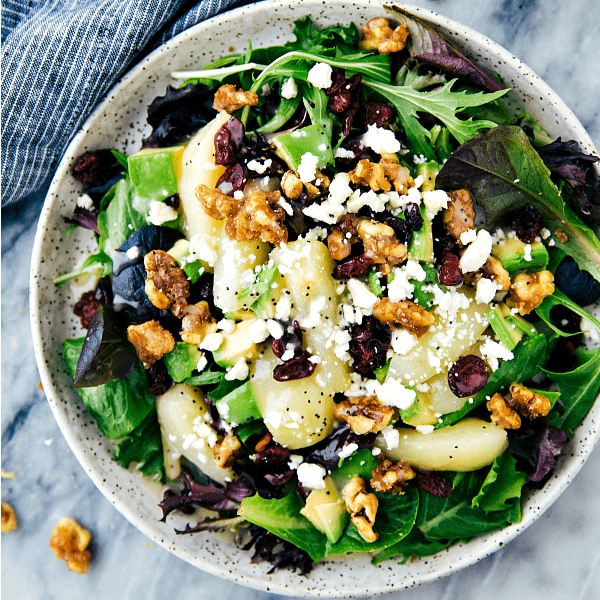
(414, 544)
(181, 362)
(118, 406)
(504, 173)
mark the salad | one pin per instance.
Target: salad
(340, 294)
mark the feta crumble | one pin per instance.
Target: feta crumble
(289, 89)
(311, 476)
(320, 75)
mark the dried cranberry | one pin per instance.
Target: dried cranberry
(467, 376)
(450, 272)
(401, 228)
(224, 148)
(528, 224)
(86, 307)
(237, 176)
(173, 201)
(95, 168)
(297, 368)
(236, 129)
(273, 454)
(434, 483)
(347, 164)
(349, 116)
(444, 243)
(339, 102)
(378, 114)
(369, 345)
(159, 380)
(353, 267)
(289, 340)
(413, 216)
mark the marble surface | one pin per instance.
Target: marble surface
(557, 558)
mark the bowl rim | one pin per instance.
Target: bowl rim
(493, 541)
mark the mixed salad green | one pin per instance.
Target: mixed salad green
(340, 296)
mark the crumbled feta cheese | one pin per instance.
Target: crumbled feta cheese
(477, 252)
(160, 213)
(258, 167)
(289, 89)
(210, 166)
(295, 461)
(348, 450)
(258, 331)
(343, 153)
(238, 371)
(274, 418)
(545, 233)
(275, 329)
(466, 237)
(527, 253)
(414, 270)
(393, 393)
(380, 140)
(307, 169)
(425, 429)
(212, 342)
(403, 341)
(400, 288)
(492, 351)
(320, 75)
(419, 159)
(311, 476)
(391, 437)
(376, 451)
(434, 201)
(226, 187)
(133, 253)
(200, 250)
(84, 201)
(486, 290)
(283, 308)
(202, 362)
(226, 325)
(361, 295)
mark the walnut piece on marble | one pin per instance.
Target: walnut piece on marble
(70, 541)
(363, 414)
(167, 285)
(362, 508)
(391, 477)
(226, 452)
(230, 99)
(528, 403)
(197, 323)
(380, 243)
(151, 341)
(378, 35)
(529, 289)
(406, 314)
(502, 414)
(460, 214)
(9, 518)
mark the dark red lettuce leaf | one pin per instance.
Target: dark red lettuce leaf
(428, 46)
(88, 219)
(326, 452)
(566, 160)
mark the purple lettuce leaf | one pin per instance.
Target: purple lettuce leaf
(566, 160)
(88, 219)
(428, 46)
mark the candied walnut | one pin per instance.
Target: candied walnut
(407, 314)
(528, 290)
(380, 176)
(9, 518)
(339, 245)
(291, 185)
(388, 476)
(460, 214)
(167, 286)
(502, 414)
(362, 507)
(378, 35)
(70, 541)
(380, 243)
(230, 99)
(215, 203)
(561, 235)
(259, 217)
(363, 414)
(151, 341)
(492, 269)
(227, 451)
(197, 323)
(528, 403)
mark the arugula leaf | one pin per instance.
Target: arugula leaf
(443, 104)
(181, 362)
(122, 158)
(560, 299)
(247, 430)
(504, 173)
(118, 406)
(318, 109)
(414, 544)
(285, 111)
(329, 40)
(501, 486)
(422, 297)
(396, 515)
(99, 262)
(413, 74)
(454, 517)
(143, 446)
(528, 354)
(282, 518)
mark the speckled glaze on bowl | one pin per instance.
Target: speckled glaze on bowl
(119, 122)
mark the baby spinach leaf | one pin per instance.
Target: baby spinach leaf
(396, 516)
(504, 173)
(118, 406)
(104, 355)
(206, 378)
(143, 446)
(443, 104)
(502, 485)
(181, 362)
(528, 354)
(282, 518)
(414, 544)
(454, 517)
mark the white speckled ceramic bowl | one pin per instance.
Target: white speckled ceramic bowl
(119, 122)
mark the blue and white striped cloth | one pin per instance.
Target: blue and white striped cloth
(59, 58)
